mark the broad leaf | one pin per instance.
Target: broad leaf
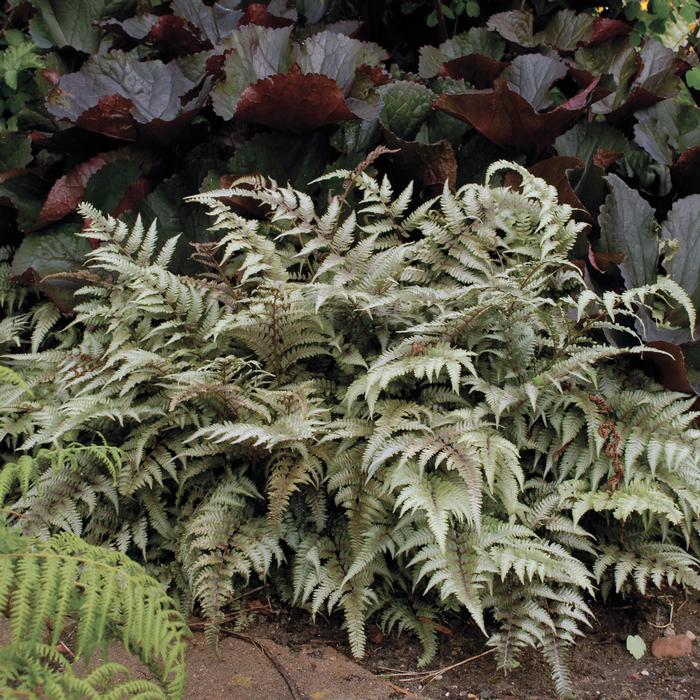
(514, 25)
(117, 95)
(406, 107)
(70, 190)
(25, 191)
(294, 102)
(431, 165)
(59, 23)
(259, 52)
(655, 79)
(177, 217)
(586, 138)
(667, 128)
(566, 31)
(476, 41)
(171, 35)
(259, 13)
(49, 253)
(337, 56)
(15, 150)
(215, 21)
(605, 28)
(532, 76)
(506, 118)
(685, 173)
(477, 69)
(636, 646)
(627, 226)
(283, 157)
(683, 226)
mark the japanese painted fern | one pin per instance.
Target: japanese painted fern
(400, 411)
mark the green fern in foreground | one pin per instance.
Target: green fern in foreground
(64, 586)
(401, 413)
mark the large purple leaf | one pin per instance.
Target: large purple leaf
(509, 120)
(117, 95)
(258, 52)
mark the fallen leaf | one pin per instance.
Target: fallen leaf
(241, 681)
(636, 646)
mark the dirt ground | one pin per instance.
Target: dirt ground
(283, 656)
(314, 660)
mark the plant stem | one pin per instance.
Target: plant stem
(442, 26)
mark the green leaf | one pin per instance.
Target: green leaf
(106, 188)
(15, 59)
(283, 157)
(177, 217)
(473, 9)
(628, 226)
(406, 107)
(636, 646)
(585, 138)
(26, 192)
(683, 226)
(356, 137)
(15, 151)
(59, 23)
(692, 78)
(48, 253)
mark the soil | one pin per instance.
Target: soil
(283, 656)
(602, 668)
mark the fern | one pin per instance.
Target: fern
(407, 410)
(49, 585)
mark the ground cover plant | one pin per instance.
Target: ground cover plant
(397, 401)
(388, 411)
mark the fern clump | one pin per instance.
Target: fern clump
(63, 584)
(401, 411)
